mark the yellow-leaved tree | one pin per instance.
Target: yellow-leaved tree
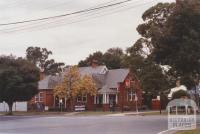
(74, 85)
(88, 86)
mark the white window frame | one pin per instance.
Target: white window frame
(131, 95)
(39, 97)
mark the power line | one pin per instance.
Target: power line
(62, 22)
(77, 17)
(44, 22)
(64, 15)
(63, 4)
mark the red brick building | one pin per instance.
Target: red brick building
(116, 86)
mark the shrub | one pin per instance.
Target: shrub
(179, 94)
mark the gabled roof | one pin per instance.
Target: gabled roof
(99, 79)
(105, 79)
(49, 82)
(116, 76)
(43, 84)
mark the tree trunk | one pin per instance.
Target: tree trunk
(10, 105)
(72, 104)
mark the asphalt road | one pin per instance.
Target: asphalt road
(82, 124)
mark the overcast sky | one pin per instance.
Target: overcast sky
(71, 38)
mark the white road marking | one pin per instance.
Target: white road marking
(174, 129)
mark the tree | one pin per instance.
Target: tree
(151, 76)
(70, 85)
(179, 44)
(113, 58)
(87, 86)
(179, 94)
(74, 85)
(40, 57)
(18, 80)
(98, 56)
(154, 20)
(175, 40)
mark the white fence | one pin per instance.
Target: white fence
(17, 106)
(80, 108)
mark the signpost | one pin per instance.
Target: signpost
(136, 101)
(61, 104)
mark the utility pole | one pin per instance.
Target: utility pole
(70, 88)
(197, 87)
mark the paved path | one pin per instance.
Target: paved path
(83, 124)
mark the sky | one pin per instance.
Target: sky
(74, 37)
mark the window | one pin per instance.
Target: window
(82, 98)
(79, 98)
(131, 95)
(99, 99)
(39, 97)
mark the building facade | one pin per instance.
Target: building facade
(116, 88)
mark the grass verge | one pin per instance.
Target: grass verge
(154, 113)
(88, 113)
(34, 113)
(196, 131)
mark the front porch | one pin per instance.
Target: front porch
(106, 99)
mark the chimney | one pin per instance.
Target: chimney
(42, 74)
(94, 63)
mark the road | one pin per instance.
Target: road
(82, 124)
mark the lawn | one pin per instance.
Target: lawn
(196, 131)
(154, 113)
(129, 113)
(34, 113)
(86, 113)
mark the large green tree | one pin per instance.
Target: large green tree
(179, 43)
(154, 20)
(112, 58)
(40, 57)
(18, 80)
(171, 36)
(152, 77)
(98, 56)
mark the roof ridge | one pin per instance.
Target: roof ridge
(119, 69)
(91, 66)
